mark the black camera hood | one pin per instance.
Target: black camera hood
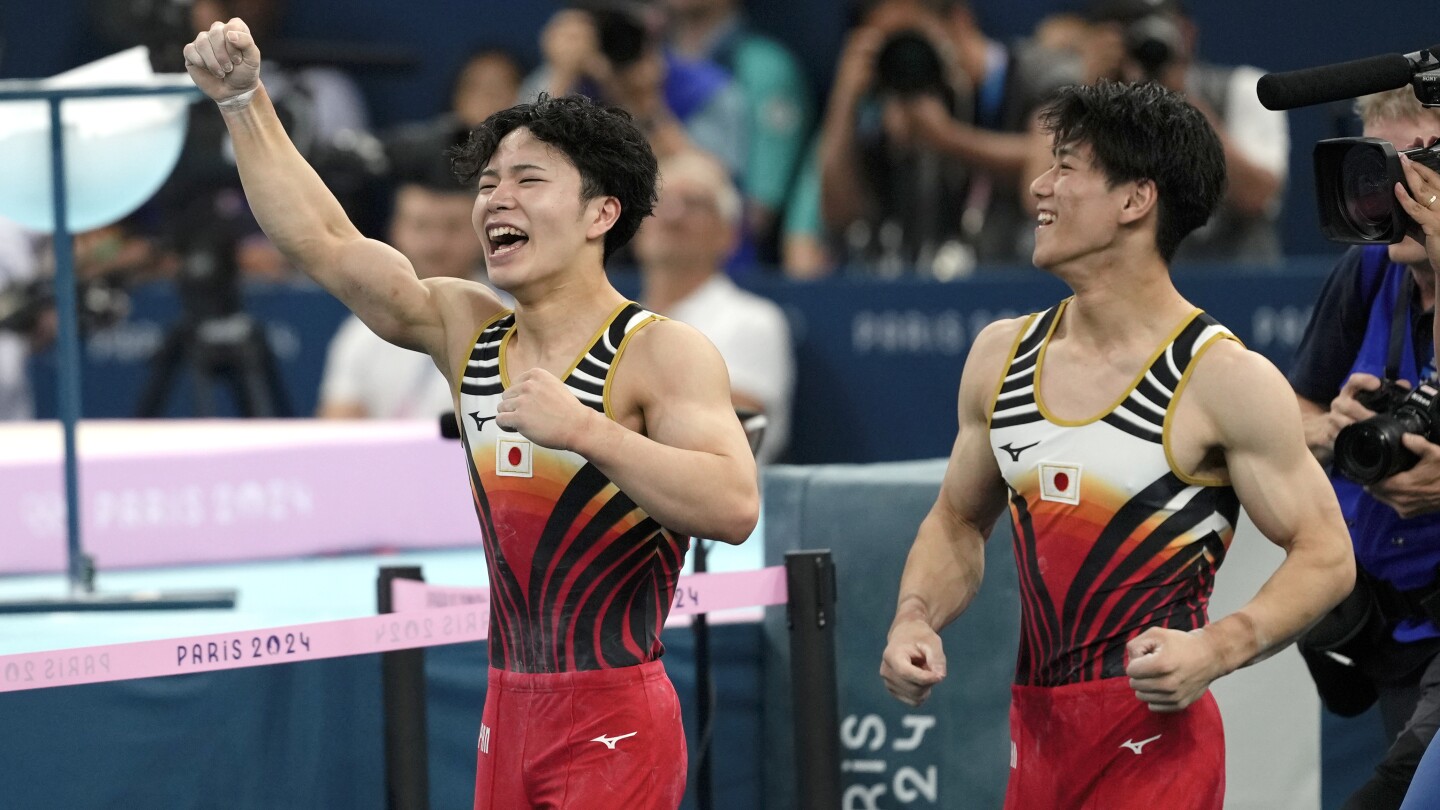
(1355, 189)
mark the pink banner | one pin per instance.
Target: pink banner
(466, 618)
(695, 593)
(275, 645)
(194, 492)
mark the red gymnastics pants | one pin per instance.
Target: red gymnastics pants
(606, 739)
(1095, 746)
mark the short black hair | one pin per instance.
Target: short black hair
(613, 156)
(1146, 132)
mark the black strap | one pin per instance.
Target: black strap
(1399, 325)
(1417, 603)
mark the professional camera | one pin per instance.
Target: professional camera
(1149, 29)
(619, 27)
(1153, 41)
(908, 65)
(1371, 451)
(1355, 187)
(99, 303)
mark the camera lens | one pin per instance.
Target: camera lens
(1366, 196)
(908, 64)
(1372, 450)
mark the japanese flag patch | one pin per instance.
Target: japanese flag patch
(1060, 482)
(514, 457)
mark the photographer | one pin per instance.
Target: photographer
(925, 138)
(1157, 43)
(1375, 319)
(488, 81)
(613, 51)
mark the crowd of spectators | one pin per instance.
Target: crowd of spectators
(914, 161)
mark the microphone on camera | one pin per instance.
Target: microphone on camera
(1360, 77)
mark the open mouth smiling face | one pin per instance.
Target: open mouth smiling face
(504, 240)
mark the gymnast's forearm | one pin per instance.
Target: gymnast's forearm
(943, 571)
(290, 201)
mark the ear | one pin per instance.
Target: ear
(605, 217)
(1142, 198)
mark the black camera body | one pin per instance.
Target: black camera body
(908, 65)
(99, 304)
(619, 27)
(1371, 451)
(1153, 41)
(1355, 188)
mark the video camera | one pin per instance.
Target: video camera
(1355, 177)
(1355, 187)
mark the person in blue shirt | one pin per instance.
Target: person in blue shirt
(1375, 320)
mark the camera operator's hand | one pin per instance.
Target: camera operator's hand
(1417, 490)
(1323, 424)
(856, 71)
(1346, 409)
(224, 61)
(1422, 203)
(571, 47)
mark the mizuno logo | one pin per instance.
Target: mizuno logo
(480, 420)
(1013, 451)
(610, 741)
(1137, 746)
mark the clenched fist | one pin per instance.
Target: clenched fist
(1170, 669)
(540, 406)
(224, 61)
(914, 662)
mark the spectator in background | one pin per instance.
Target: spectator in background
(201, 214)
(487, 82)
(18, 266)
(1157, 40)
(1394, 522)
(805, 253)
(682, 250)
(928, 129)
(779, 110)
(614, 52)
(365, 376)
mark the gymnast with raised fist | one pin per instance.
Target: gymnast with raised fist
(599, 437)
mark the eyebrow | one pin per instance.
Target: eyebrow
(518, 167)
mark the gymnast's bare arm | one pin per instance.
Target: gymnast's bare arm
(1240, 413)
(947, 561)
(305, 221)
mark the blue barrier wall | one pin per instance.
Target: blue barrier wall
(309, 735)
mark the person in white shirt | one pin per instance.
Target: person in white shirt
(18, 265)
(368, 377)
(682, 250)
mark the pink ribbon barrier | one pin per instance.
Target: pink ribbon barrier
(695, 593)
(464, 617)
